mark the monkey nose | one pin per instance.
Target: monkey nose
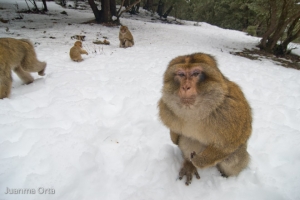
(186, 87)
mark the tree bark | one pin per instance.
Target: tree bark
(113, 6)
(104, 13)
(148, 5)
(280, 30)
(288, 17)
(160, 8)
(165, 15)
(95, 10)
(45, 5)
(272, 26)
(290, 36)
(128, 8)
(272, 41)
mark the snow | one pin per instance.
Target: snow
(90, 130)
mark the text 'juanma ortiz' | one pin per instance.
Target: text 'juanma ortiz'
(39, 190)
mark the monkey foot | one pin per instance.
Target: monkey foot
(188, 170)
(42, 73)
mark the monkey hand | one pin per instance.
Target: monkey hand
(188, 170)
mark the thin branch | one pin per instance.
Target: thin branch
(129, 7)
(123, 1)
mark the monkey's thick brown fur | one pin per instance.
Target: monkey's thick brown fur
(210, 123)
(19, 56)
(125, 37)
(76, 51)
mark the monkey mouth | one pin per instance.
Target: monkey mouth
(188, 101)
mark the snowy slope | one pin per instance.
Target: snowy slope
(90, 130)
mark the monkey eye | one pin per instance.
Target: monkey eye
(180, 74)
(195, 74)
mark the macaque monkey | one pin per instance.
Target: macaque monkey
(19, 56)
(76, 51)
(207, 114)
(125, 37)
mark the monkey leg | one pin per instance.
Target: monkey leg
(235, 162)
(188, 170)
(23, 75)
(31, 64)
(122, 43)
(5, 82)
(128, 44)
(78, 59)
(187, 146)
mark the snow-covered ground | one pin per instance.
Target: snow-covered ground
(90, 130)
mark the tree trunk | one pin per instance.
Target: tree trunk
(278, 25)
(290, 36)
(95, 10)
(272, 26)
(45, 5)
(272, 43)
(108, 9)
(113, 6)
(105, 11)
(148, 5)
(35, 6)
(165, 15)
(160, 8)
(126, 3)
(63, 3)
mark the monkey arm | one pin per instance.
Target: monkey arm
(209, 157)
(82, 51)
(174, 137)
(225, 142)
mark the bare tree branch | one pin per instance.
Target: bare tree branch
(128, 8)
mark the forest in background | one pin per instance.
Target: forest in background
(277, 22)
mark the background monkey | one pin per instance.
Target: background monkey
(208, 116)
(125, 37)
(76, 51)
(19, 56)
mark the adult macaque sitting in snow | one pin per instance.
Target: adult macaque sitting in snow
(208, 116)
(125, 37)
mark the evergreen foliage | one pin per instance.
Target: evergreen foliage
(276, 21)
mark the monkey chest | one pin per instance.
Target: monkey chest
(195, 131)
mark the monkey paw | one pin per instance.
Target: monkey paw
(188, 170)
(42, 73)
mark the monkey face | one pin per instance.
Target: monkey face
(123, 29)
(193, 81)
(188, 80)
